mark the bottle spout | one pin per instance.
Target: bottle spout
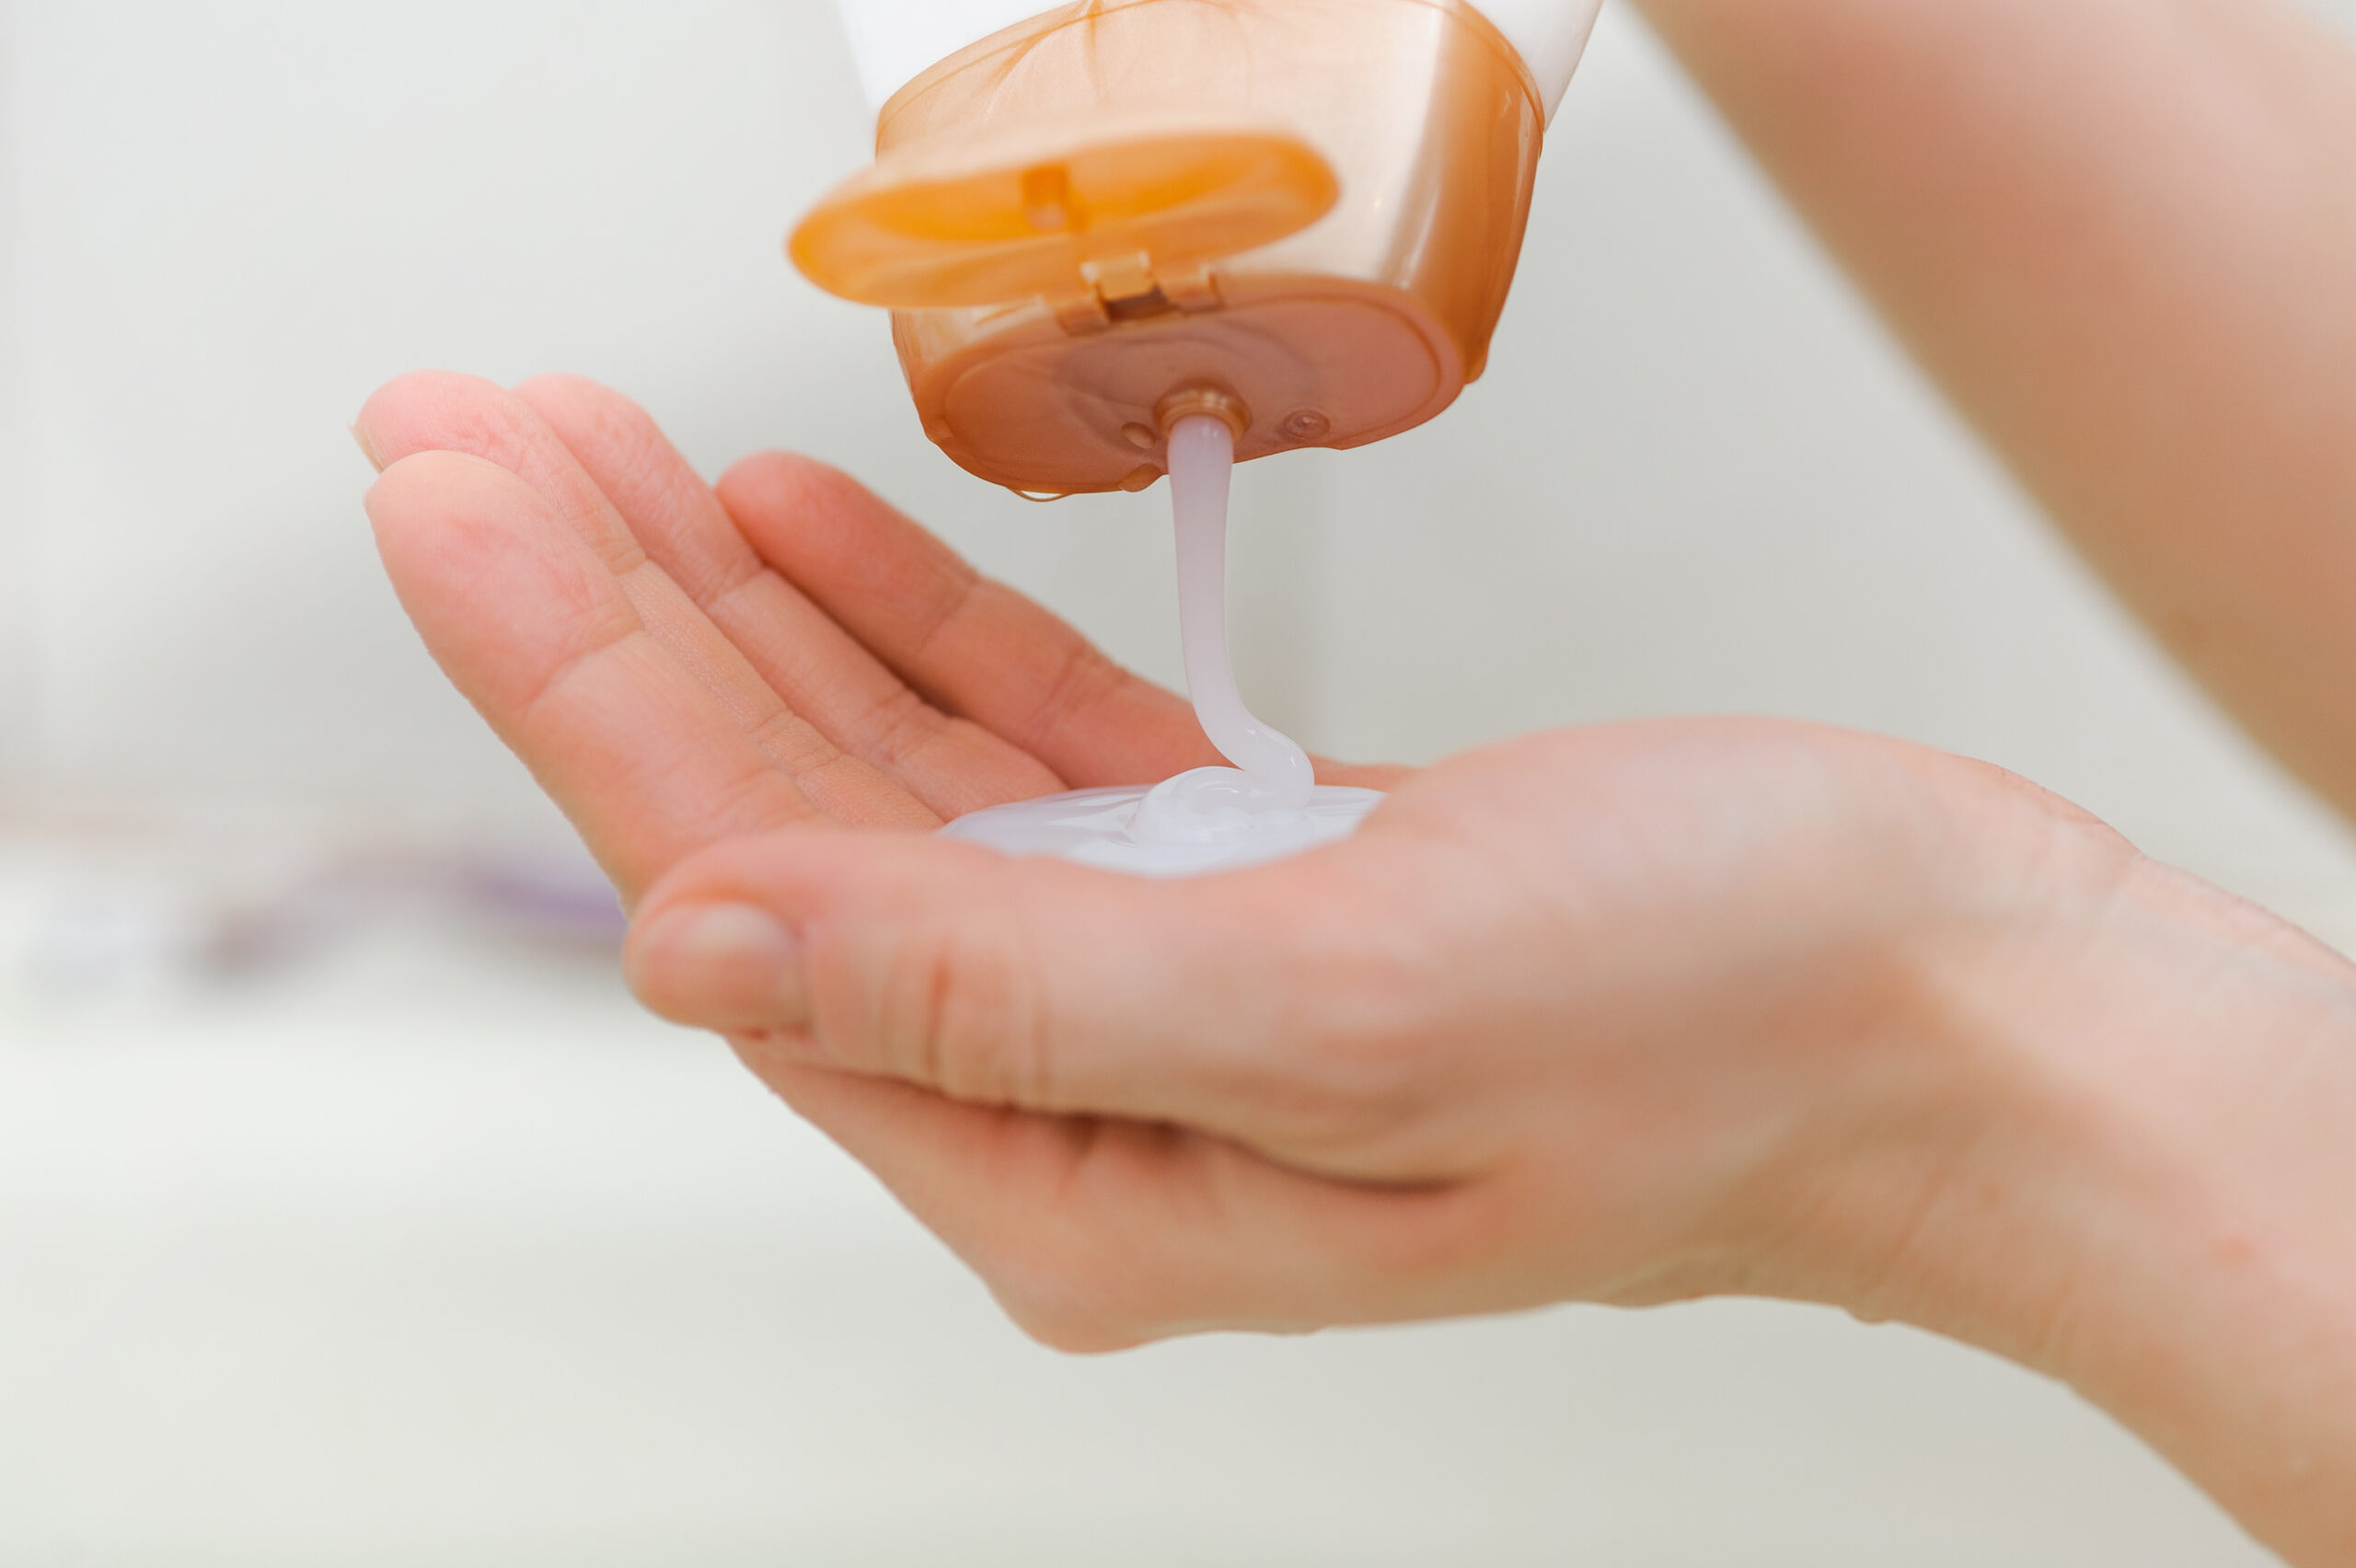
(1190, 402)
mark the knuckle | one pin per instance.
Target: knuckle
(958, 1009)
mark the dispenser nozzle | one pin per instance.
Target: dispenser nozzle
(1188, 401)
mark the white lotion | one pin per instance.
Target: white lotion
(1268, 805)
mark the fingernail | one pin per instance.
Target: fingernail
(366, 450)
(720, 965)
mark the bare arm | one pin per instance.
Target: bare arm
(2122, 234)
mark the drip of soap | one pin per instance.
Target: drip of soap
(1266, 806)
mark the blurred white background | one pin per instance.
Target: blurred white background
(348, 1211)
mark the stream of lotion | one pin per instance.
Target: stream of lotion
(1268, 805)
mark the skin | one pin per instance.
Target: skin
(1628, 1014)
(2120, 235)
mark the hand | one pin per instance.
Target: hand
(1604, 1015)
(1717, 916)
(1624, 1014)
(681, 665)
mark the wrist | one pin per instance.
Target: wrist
(2139, 1177)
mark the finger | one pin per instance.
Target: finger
(821, 671)
(972, 648)
(1270, 1005)
(432, 410)
(1097, 1235)
(536, 633)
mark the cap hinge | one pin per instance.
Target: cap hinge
(1127, 288)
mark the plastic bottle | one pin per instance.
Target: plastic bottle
(1089, 219)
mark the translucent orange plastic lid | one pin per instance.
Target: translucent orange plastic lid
(942, 224)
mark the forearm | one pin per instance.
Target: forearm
(2152, 1191)
(2121, 234)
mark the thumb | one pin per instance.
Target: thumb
(1215, 1002)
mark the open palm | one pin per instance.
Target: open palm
(1592, 1013)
